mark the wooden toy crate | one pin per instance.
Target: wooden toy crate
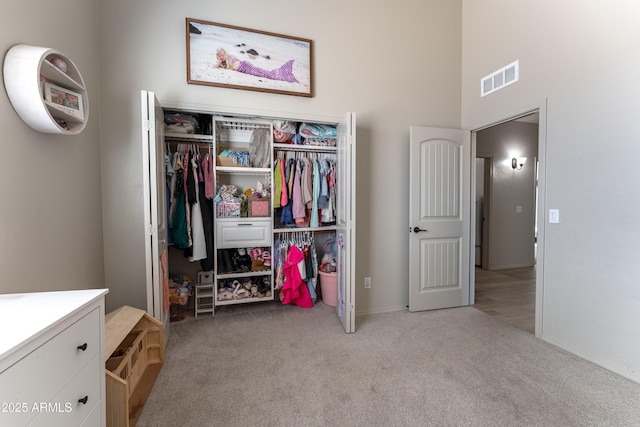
(134, 355)
(130, 359)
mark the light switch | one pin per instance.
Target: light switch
(554, 216)
(518, 209)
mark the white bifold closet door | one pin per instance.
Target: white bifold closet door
(155, 216)
(345, 222)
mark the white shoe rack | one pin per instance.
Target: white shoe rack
(204, 294)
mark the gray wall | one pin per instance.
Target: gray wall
(381, 72)
(511, 239)
(422, 67)
(51, 215)
(581, 56)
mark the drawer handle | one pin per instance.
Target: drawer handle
(245, 224)
(83, 400)
(82, 347)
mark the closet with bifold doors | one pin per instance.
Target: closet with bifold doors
(268, 204)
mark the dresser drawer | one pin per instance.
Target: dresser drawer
(66, 409)
(94, 419)
(243, 233)
(41, 375)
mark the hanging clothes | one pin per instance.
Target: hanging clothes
(178, 219)
(284, 196)
(308, 273)
(323, 197)
(207, 167)
(279, 260)
(205, 180)
(304, 185)
(199, 248)
(169, 176)
(298, 209)
(294, 289)
(177, 165)
(287, 252)
(328, 213)
(277, 184)
(314, 222)
(190, 211)
(186, 166)
(307, 183)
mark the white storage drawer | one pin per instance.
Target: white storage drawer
(243, 233)
(37, 378)
(75, 403)
(51, 356)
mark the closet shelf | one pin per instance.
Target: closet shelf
(243, 300)
(188, 138)
(306, 148)
(298, 229)
(243, 170)
(247, 274)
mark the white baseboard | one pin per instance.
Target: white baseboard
(506, 267)
(381, 310)
(631, 375)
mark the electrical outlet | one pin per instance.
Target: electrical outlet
(367, 282)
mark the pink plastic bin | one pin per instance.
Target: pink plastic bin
(329, 288)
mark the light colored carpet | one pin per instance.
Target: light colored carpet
(272, 365)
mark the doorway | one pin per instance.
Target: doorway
(506, 226)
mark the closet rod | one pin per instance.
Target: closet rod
(175, 144)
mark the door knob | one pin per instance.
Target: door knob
(418, 229)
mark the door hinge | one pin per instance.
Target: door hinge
(147, 125)
(149, 230)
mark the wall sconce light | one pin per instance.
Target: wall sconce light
(517, 163)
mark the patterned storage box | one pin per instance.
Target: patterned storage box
(228, 209)
(259, 206)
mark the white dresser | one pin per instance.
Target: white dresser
(52, 359)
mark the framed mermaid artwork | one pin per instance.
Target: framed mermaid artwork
(240, 58)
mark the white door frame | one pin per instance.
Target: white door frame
(485, 260)
(541, 108)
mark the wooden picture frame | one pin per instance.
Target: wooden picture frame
(240, 58)
(65, 100)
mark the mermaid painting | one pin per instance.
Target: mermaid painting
(230, 62)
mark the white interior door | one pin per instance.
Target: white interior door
(439, 218)
(345, 215)
(155, 216)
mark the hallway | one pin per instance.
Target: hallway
(508, 295)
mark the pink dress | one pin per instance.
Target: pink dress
(295, 290)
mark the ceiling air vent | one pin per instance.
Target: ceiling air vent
(499, 79)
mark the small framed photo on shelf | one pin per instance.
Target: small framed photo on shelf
(64, 100)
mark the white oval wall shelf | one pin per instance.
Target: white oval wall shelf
(47, 97)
